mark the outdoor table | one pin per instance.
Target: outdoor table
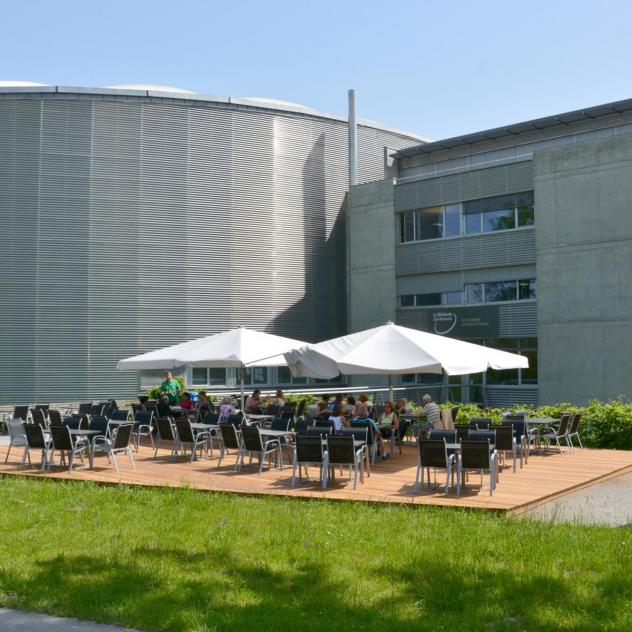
(90, 434)
(260, 418)
(278, 433)
(204, 427)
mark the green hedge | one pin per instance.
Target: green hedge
(604, 424)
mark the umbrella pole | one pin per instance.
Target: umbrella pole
(241, 377)
(390, 387)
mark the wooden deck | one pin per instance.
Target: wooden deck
(544, 478)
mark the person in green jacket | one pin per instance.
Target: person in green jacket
(170, 388)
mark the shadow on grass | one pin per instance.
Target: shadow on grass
(190, 588)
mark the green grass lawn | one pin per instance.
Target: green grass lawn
(165, 559)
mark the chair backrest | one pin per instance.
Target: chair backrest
(97, 409)
(54, 417)
(35, 436)
(120, 414)
(85, 408)
(16, 428)
(369, 429)
(144, 417)
(325, 423)
(123, 435)
(165, 429)
(288, 407)
(577, 417)
(433, 452)
(44, 408)
(301, 427)
(564, 423)
(439, 435)
(235, 420)
(320, 431)
(504, 437)
(229, 436)
(341, 449)
(272, 409)
(514, 416)
(210, 418)
(252, 438)
(480, 423)
(100, 424)
(185, 432)
(74, 423)
(152, 404)
(359, 434)
(38, 417)
(21, 412)
(482, 435)
(309, 449)
(519, 427)
(300, 409)
(280, 424)
(475, 455)
(61, 437)
(462, 431)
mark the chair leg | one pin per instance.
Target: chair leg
(324, 470)
(9, 451)
(114, 461)
(131, 458)
(221, 456)
(294, 473)
(416, 487)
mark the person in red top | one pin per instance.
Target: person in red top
(186, 403)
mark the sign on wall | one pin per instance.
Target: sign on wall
(465, 322)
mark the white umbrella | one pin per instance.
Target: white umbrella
(394, 350)
(238, 348)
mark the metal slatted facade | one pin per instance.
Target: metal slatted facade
(131, 223)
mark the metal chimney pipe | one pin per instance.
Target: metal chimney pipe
(353, 141)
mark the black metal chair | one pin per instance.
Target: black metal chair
(98, 409)
(101, 424)
(236, 420)
(343, 451)
(320, 431)
(21, 413)
(371, 441)
(482, 435)
(54, 417)
(561, 432)
(462, 431)
(36, 440)
(119, 444)
(433, 453)
(450, 436)
(506, 442)
(120, 414)
(254, 444)
(195, 440)
(480, 424)
(166, 431)
(532, 435)
(521, 435)
(301, 427)
(38, 418)
(309, 451)
(360, 436)
(62, 442)
(231, 440)
(477, 455)
(300, 409)
(76, 422)
(573, 431)
(143, 427)
(85, 408)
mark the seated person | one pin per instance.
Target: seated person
(403, 408)
(203, 401)
(323, 411)
(389, 417)
(226, 408)
(325, 402)
(362, 414)
(431, 410)
(186, 403)
(351, 406)
(279, 398)
(339, 419)
(253, 403)
(163, 408)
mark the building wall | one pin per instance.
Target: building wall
(583, 196)
(131, 224)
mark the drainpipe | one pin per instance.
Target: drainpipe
(353, 141)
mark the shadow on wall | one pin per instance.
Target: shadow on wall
(322, 312)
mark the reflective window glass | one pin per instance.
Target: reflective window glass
(284, 375)
(473, 223)
(474, 293)
(429, 223)
(408, 226)
(452, 220)
(198, 375)
(407, 300)
(509, 376)
(530, 375)
(430, 378)
(216, 377)
(500, 291)
(526, 289)
(408, 379)
(428, 299)
(452, 298)
(526, 216)
(499, 220)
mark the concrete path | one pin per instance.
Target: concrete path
(608, 503)
(19, 621)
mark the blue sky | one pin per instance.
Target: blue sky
(435, 68)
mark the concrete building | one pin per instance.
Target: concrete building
(135, 217)
(518, 237)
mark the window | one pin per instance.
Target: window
(422, 300)
(522, 346)
(407, 300)
(199, 376)
(427, 300)
(285, 377)
(216, 377)
(500, 291)
(474, 293)
(503, 212)
(256, 375)
(452, 298)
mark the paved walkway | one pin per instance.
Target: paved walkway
(608, 503)
(19, 621)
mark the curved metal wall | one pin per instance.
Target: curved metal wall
(130, 224)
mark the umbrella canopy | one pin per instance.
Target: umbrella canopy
(238, 348)
(394, 350)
